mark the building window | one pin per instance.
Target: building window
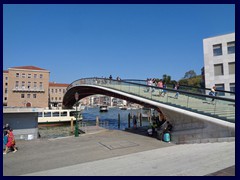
(60, 90)
(23, 84)
(16, 85)
(218, 69)
(221, 88)
(231, 68)
(41, 85)
(59, 98)
(231, 47)
(29, 85)
(232, 88)
(23, 75)
(55, 90)
(5, 90)
(40, 76)
(63, 91)
(35, 76)
(35, 85)
(22, 96)
(55, 98)
(6, 84)
(34, 95)
(217, 50)
(52, 98)
(5, 98)
(6, 78)
(17, 74)
(28, 95)
(29, 76)
(52, 90)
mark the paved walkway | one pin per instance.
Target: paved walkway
(119, 153)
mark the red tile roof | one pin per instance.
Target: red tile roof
(5, 71)
(28, 67)
(53, 84)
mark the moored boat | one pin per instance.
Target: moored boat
(54, 117)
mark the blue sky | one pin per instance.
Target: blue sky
(135, 41)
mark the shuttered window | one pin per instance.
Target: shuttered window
(231, 68)
(218, 69)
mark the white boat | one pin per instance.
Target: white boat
(57, 116)
(123, 108)
(103, 108)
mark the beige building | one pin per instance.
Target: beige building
(56, 93)
(5, 87)
(25, 86)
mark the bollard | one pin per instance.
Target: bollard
(129, 116)
(118, 121)
(71, 125)
(97, 121)
(140, 119)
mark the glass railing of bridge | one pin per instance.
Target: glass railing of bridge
(218, 107)
(186, 88)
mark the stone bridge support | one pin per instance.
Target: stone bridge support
(195, 128)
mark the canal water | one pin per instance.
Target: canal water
(89, 116)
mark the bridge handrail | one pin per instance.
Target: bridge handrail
(155, 87)
(199, 89)
(223, 108)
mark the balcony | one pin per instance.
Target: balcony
(24, 89)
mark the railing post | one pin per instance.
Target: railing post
(187, 100)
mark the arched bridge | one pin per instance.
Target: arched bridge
(190, 102)
(195, 117)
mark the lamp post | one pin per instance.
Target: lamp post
(76, 124)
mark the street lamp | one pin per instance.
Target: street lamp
(76, 124)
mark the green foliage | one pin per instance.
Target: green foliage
(194, 81)
(166, 78)
(189, 74)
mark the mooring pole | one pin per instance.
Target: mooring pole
(140, 119)
(97, 121)
(129, 117)
(118, 120)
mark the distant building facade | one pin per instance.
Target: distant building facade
(25, 86)
(219, 62)
(56, 93)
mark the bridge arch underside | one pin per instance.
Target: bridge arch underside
(84, 91)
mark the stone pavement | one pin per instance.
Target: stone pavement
(114, 152)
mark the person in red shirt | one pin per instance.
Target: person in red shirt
(11, 142)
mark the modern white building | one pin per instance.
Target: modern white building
(219, 62)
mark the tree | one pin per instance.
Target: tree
(166, 78)
(189, 74)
